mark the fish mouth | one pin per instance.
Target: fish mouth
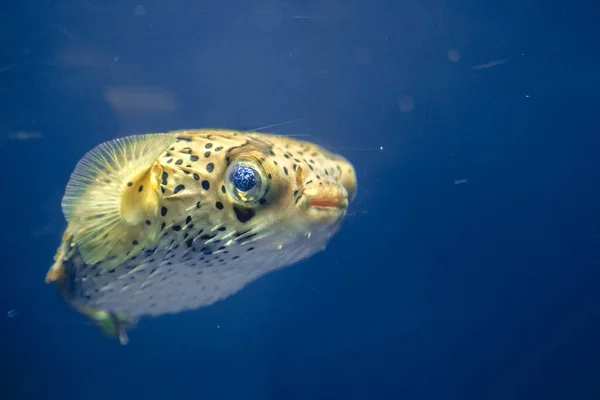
(327, 197)
(328, 202)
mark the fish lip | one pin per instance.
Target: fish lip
(329, 196)
(328, 202)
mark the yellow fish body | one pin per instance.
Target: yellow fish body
(163, 223)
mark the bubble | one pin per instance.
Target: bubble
(453, 55)
(12, 313)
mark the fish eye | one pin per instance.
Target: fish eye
(244, 181)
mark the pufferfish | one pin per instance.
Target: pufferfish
(167, 222)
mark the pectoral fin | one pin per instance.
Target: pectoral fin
(112, 192)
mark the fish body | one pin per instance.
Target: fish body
(163, 223)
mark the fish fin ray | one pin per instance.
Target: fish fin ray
(111, 193)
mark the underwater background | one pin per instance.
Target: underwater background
(468, 266)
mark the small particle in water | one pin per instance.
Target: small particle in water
(380, 147)
(460, 181)
(139, 10)
(24, 135)
(406, 104)
(489, 64)
(453, 55)
(12, 313)
(218, 326)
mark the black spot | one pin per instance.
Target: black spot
(170, 160)
(205, 185)
(219, 205)
(188, 219)
(197, 177)
(148, 222)
(198, 204)
(176, 228)
(210, 167)
(223, 189)
(178, 189)
(208, 145)
(179, 162)
(235, 257)
(294, 166)
(295, 193)
(189, 243)
(163, 211)
(162, 226)
(164, 178)
(141, 188)
(219, 148)
(129, 184)
(263, 201)
(135, 242)
(270, 176)
(285, 170)
(222, 228)
(194, 157)
(207, 154)
(244, 214)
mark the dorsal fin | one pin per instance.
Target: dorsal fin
(111, 193)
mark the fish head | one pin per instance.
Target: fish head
(286, 191)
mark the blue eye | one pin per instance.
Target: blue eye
(244, 178)
(246, 181)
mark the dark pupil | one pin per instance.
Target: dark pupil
(244, 178)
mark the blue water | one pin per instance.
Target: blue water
(468, 267)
